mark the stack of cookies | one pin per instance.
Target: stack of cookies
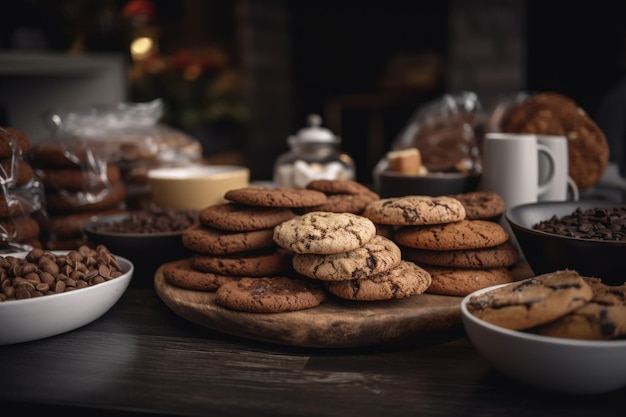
(21, 193)
(454, 238)
(343, 251)
(79, 185)
(234, 252)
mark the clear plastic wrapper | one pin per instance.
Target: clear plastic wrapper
(22, 194)
(446, 131)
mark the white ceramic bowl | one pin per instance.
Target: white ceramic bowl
(556, 364)
(50, 315)
(195, 187)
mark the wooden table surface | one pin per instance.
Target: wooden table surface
(142, 358)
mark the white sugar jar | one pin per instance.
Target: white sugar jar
(314, 153)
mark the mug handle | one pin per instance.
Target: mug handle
(573, 193)
(543, 187)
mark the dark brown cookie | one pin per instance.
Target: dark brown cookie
(270, 294)
(15, 171)
(239, 217)
(460, 282)
(342, 203)
(276, 197)
(206, 240)
(13, 142)
(464, 234)
(259, 263)
(481, 205)
(404, 280)
(61, 154)
(19, 229)
(340, 187)
(86, 200)
(182, 274)
(94, 178)
(504, 255)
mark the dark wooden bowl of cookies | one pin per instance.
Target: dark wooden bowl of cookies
(586, 236)
(148, 238)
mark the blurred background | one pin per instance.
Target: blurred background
(242, 75)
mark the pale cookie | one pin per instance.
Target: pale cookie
(259, 263)
(499, 256)
(603, 318)
(415, 210)
(533, 301)
(270, 294)
(405, 280)
(460, 282)
(465, 234)
(324, 233)
(206, 240)
(240, 217)
(181, 274)
(378, 255)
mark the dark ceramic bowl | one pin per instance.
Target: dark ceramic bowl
(394, 184)
(547, 252)
(147, 251)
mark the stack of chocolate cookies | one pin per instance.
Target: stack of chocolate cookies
(233, 242)
(455, 238)
(21, 193)
(79, 186)
(343, 251)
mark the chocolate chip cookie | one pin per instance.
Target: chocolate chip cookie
(415, 210)
(404, 280)
(379, 255)
(533, 301)
(270, 294)
(324, 233)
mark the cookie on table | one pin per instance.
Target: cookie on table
(460, 282)
(464, 234)
(324, 233)
(603, 318)
(415, 210)
(182, 274)
(265, 262)
(276, 197)
(404, 280)
(206, 240)
(380, 254)
(499, 256)
(270, 294)
(532, 301)
(551, 113)
(238, 217)
(481, 205)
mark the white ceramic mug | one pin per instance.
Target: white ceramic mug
(563, 188)
(511, 167)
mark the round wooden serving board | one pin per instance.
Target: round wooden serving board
(335, 323)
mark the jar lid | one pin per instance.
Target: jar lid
(314, 132)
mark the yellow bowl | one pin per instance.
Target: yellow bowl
(195, 187)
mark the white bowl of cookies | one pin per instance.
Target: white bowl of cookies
(558, 331)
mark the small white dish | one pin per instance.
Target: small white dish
(49, 315)
(556, 364)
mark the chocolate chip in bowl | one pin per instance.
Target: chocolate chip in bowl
(149, 237)
(586, 236)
